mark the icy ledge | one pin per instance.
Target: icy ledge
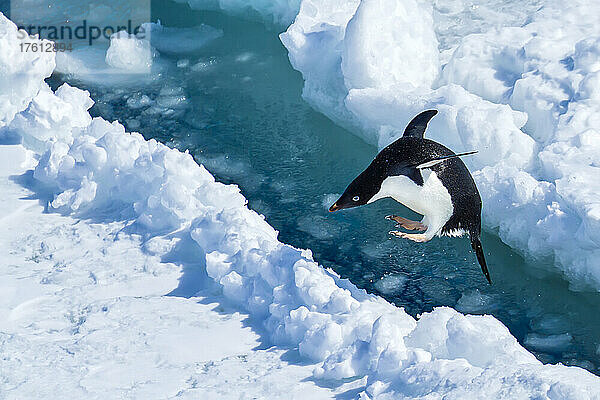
(525, 97)
(95, 168)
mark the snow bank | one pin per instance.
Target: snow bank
(370, 55)
(524, 96)
(21, 72)
(94, 169)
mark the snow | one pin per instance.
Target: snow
(13, 77)
(88, 313)
(129, 53)
(519, 87)
(129, 221)
(370, 57)
(50, 116)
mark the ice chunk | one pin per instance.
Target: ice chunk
(130, 53)
(550, 324)
(318, 227)
(138, 100)
(204, 65)
(171, 97)
(550, 343)
(475, 302)
(390, 284)
(183, 63)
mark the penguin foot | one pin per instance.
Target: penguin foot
(407, 223)
(415, 237)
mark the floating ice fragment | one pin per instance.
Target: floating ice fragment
(130, 53)
(175, 40)
(138, 100)
(549, 343)
(390, 284)
(474, 302)
(329, 199)
(550, 324)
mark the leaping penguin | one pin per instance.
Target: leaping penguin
(428, 178)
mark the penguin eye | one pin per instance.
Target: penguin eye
(355, 198)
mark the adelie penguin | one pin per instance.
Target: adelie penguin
(428, 178)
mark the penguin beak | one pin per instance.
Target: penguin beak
(334, 207)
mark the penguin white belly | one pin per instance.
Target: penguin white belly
(431, 200)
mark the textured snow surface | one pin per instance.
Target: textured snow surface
(86, 314)
(520, 87)
(84, 286)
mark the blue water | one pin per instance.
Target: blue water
(245, 120)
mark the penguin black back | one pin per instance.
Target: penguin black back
(453, 174)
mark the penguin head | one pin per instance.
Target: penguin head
(360, 191)
(391, 161)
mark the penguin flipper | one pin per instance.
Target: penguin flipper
(417, 126)
(476, 245)
(437, 160)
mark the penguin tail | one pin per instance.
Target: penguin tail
(476, 245)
